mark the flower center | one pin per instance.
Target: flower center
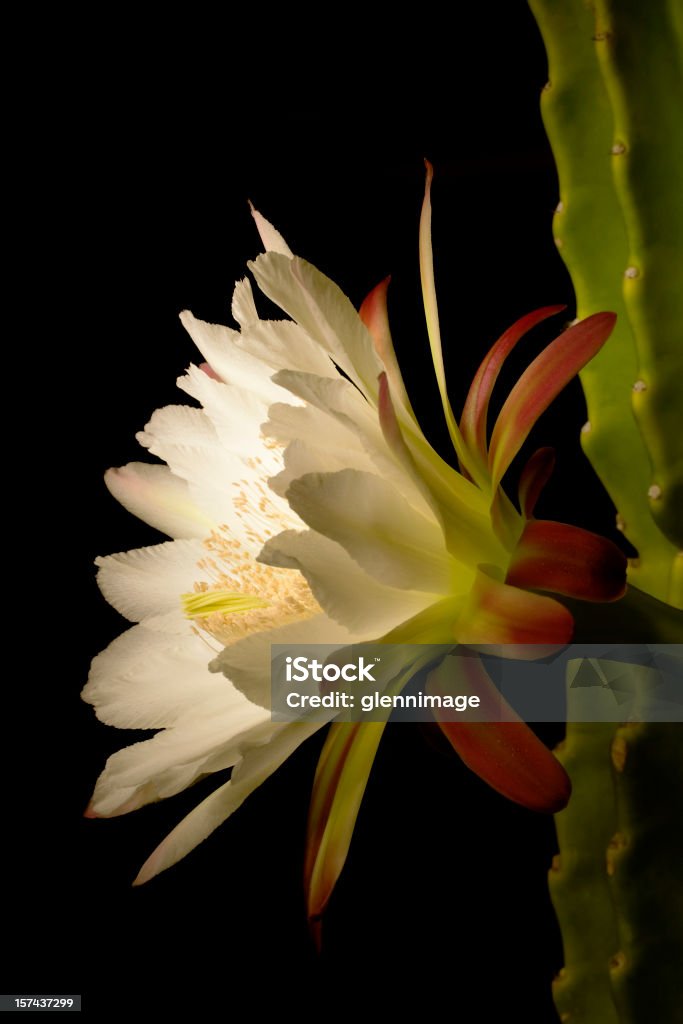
(244, 596)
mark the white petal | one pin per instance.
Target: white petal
(315, 424)
(284, 345)
(158, 497)
(231, 489)
(348, 594)
(333, 395)
(221, 348)
(247, 662)
(172, 760)
(178, 426)
(378, 528)
(270, 236)
(325, 313)
(243, 307)
(316, 442)
(302, 457)
(235, 414)
(174, 622)
(149, 581)
(147, 680)
(237, 418)
(213, 811)
(341, 401)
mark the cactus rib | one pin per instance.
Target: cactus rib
(591, 234)
(578, 881)
(640, 58)
(644, 867)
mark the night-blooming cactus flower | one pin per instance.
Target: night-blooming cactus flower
(306, 506)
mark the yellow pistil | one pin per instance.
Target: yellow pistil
(226, 602)
(245, 596)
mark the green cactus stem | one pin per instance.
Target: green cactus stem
(617, 884)
(645, 869)
(641, 59)
(579, 885)
(608, 109)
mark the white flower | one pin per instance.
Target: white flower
(306, 506)
(214, 498)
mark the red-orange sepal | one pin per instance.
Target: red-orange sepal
(568, 560)
(505, 754)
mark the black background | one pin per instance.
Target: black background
(154, 140)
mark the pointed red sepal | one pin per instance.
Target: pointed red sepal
(568, 560)
(505, 754)
(327, 774)
(340, 780)
(533, 479)
(540, 383)
(475, 411)
(373, 312)
(498, 613)
(375, 315)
